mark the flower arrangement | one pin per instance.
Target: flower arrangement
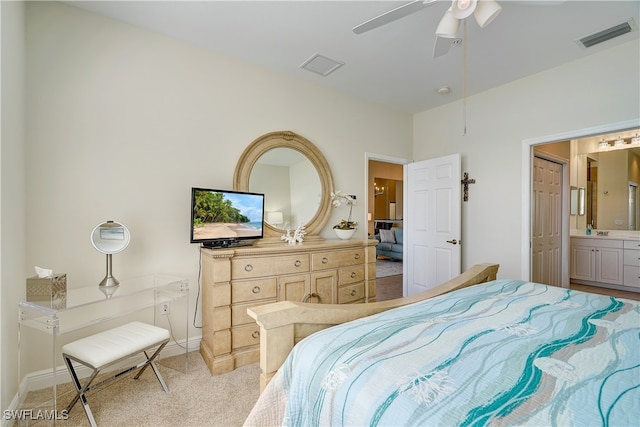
(338, 198)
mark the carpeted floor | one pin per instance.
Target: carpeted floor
(195, 398)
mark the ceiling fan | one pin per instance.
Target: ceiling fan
(484, 12)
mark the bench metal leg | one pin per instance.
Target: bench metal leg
(151, 362)
(81, 390)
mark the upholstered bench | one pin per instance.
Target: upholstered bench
(109, 347)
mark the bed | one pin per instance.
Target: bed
(503, 352)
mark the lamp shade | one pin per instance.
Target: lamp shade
(486, 11)
(463, 8)
(275, 218)
(448, 26)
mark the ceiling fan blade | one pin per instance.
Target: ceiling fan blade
(442, 46)
(392, 15)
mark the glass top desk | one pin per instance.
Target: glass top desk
(44, 327)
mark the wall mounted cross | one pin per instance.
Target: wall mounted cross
(466, 181)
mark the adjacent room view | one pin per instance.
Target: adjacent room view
(587, 241)
(386, 208)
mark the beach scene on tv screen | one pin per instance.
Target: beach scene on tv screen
(219, 215)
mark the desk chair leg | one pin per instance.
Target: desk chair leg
(151, 362)
(81, 390)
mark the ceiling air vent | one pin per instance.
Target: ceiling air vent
(608, 34)
(321, 65)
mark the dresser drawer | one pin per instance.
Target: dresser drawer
(632, 244)
(251, 290)
(631, 257)
(244, 336)
(336, 259)
(351, 274)
(631, 276)
(247, 268)
(350, 293)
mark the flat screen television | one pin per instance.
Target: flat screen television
(222, 218)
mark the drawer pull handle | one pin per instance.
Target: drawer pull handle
(312, 295)
(248, 267)
(325, 260)
(353, 274)
(298, 263)
(256, 334)
(353, 292)
(256, 289)
(356, 256)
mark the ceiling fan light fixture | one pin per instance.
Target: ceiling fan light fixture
(448, 26)
(463, 8)
(486, 11)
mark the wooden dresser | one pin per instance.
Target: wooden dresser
(235, 279)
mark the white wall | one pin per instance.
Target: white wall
(12, 190)
(123, 122)
(600, 89)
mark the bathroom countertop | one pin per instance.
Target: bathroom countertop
(613, 234)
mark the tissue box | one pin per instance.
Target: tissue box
(48, 291)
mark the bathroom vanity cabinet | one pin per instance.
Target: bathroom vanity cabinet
(606, 262)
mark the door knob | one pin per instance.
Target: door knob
(453, 242)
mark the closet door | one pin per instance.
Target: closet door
(547, 222)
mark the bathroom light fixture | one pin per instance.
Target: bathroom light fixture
(619, 142)
(603, 145)
(635, 140)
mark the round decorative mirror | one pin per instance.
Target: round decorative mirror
(295, 178)
(110, 238)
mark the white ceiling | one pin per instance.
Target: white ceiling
(391, 65)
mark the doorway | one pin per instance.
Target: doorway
(386, 195)
(593, 135)
(385, 208)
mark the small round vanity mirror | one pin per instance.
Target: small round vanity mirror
(110, 238)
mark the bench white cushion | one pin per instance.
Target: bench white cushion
(109, 346)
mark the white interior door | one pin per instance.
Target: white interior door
(432, 230)
(547, 222)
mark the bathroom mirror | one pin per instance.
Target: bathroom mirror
(610, 179)
(294, 177)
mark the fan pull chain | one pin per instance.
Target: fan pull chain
(464, 79)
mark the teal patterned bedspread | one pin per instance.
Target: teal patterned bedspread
(503, 353)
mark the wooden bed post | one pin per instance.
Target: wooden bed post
(283, 324)
(275, 344)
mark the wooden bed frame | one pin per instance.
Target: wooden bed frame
(283, 324)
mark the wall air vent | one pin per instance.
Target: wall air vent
(321, 65)
(608, 34)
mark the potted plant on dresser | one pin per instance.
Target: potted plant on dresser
(345, 228)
